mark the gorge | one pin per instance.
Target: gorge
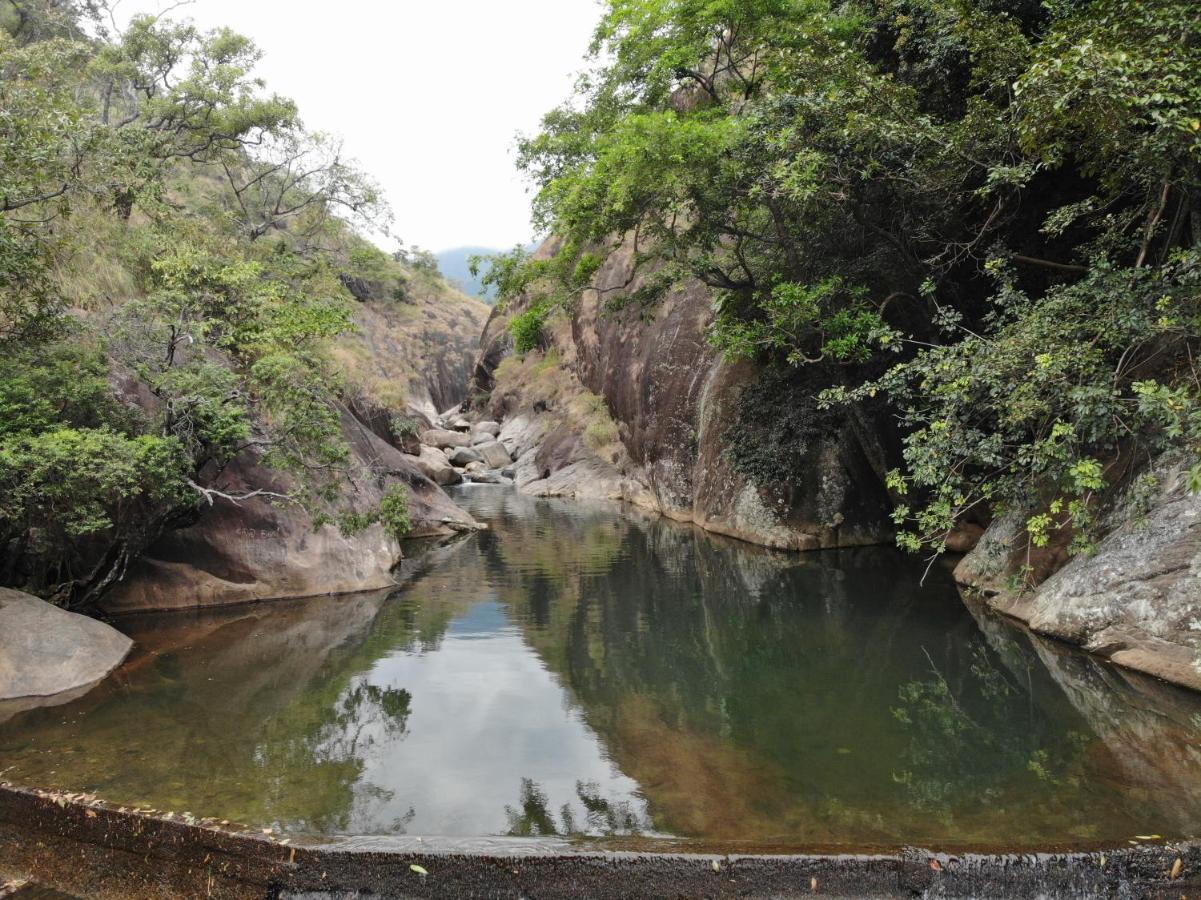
(815, 510)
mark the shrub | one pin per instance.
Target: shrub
(526, 327)
(394, 511)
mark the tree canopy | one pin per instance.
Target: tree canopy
(987, 211)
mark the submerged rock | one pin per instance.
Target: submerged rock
(46, 651)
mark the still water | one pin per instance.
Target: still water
(578, 671)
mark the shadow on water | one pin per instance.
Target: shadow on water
(575, 671)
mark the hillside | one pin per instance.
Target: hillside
(205, 367)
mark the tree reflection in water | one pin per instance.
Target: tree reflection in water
(602, 817)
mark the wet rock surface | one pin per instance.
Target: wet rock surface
(48, 653)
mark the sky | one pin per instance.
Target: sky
(428, 96)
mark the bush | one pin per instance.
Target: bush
(394, 511)
(526, 327)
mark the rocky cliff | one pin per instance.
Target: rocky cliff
(416, 353)
(632, 403)
(407, 359)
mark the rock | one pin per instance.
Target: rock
(494, 454)
(45, 650)
(964, 537)
(474, 467)
(257, 550)
(463, 455)
(508, 472)
(484, 477)
(435, 466)
(1136, 599)
(481, 437)
(444, 439)
(658, 438)
(486, 427)
(384, 422)
(358, 287)
(460, 424)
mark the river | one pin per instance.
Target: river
(580, 670)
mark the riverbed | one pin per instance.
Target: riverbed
(584, 671)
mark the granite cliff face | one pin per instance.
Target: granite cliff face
(417, 353)
(634, 404)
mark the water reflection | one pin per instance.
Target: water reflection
(577, 672)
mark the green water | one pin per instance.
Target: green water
(576, 671)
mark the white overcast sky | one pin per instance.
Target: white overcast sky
(428, 96)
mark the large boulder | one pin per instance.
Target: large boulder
(1136, 599)
(435, 465)
(444, 439)
(260, 549)
(47, 651)
(486, 427)
(464, 456)
(494, 454)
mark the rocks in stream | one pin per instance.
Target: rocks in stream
(464, 456)
(494, 454)
(445, 439)
(436, 466)
(48, 653)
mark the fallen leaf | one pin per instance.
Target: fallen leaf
(418, 869)
(91, 813)
(935, 865)
(1148, 837)
(1177, 868)
(716, 865)
(1103, 860)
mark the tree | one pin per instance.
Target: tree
(985, 210)
(298, 177)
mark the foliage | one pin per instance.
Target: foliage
(217, 337)
(526, 327)
(394, 511)
(74, 467)
(987, 211)
(1028, 414)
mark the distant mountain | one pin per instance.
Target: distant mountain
(453, 266)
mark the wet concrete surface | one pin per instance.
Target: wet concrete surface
(83, 848)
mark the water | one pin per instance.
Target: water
(578, 671)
